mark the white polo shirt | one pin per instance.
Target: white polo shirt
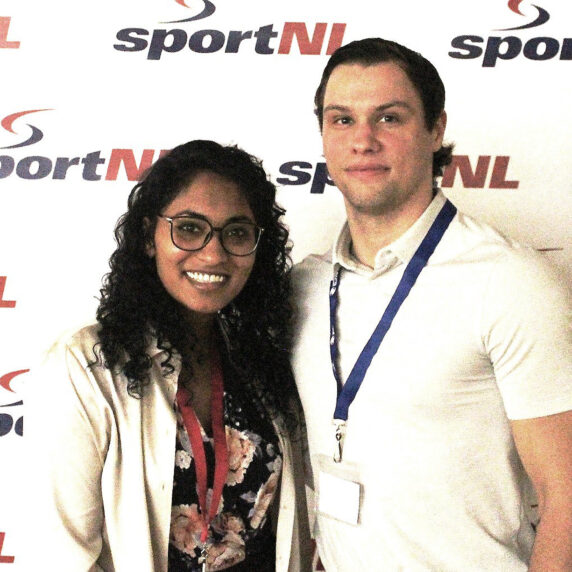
(483, 337)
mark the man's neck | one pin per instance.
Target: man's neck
(370, 233)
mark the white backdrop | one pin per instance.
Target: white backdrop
(83, 81)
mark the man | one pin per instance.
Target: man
(463, 394)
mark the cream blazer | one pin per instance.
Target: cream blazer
(101, 467)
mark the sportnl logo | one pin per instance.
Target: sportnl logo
(163, 41)
(5, 43)
(485, 172)
(8, 125)
(36, 166)
(539, 48)
(9, 420)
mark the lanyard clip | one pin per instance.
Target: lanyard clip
(203, 558)
(339, 434)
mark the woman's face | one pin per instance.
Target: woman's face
(203, 281)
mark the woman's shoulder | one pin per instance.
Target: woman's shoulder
(64, 371)
(79, 341)
(87, 334)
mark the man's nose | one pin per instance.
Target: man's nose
(365, 138)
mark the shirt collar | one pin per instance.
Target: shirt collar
(400, 251)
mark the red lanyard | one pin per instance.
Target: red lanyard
(193, 428)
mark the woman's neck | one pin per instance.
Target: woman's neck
(202, 337)
(196, 373)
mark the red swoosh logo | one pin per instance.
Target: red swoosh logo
(208, 10)
(513, 5)
(9, 119)
(6, 379)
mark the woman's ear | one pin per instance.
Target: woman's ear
(149, 242)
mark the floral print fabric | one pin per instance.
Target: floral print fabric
(239, 533)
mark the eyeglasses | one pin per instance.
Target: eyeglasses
(192, 233)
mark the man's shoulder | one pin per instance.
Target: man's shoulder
(471, 239)
(312, 267)
(481, 232)
(511, 269)
(311, 279)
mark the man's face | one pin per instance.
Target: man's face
(378, 149)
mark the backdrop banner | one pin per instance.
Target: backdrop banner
(92, 94)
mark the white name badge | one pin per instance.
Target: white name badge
(339, 491)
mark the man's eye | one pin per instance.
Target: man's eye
(388, 118)
(343, 120)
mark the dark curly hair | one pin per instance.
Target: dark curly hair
(420, 71)
(135, 307)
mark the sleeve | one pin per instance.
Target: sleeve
(290, 510)
(67, 440)
(301, 546)
(527, 325)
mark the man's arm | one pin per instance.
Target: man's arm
(545, 448)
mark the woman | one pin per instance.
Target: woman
(167, 447)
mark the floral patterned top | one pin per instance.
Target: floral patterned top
(240, 537)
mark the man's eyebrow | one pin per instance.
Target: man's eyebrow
(383, 107)
(336, 108)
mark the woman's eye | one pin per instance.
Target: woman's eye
(188, 228)
(238, 233)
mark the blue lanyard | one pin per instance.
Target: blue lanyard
(347, 392)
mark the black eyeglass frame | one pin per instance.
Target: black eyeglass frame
(258, 229)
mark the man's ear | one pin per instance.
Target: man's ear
(149, 242)
(439, 131)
